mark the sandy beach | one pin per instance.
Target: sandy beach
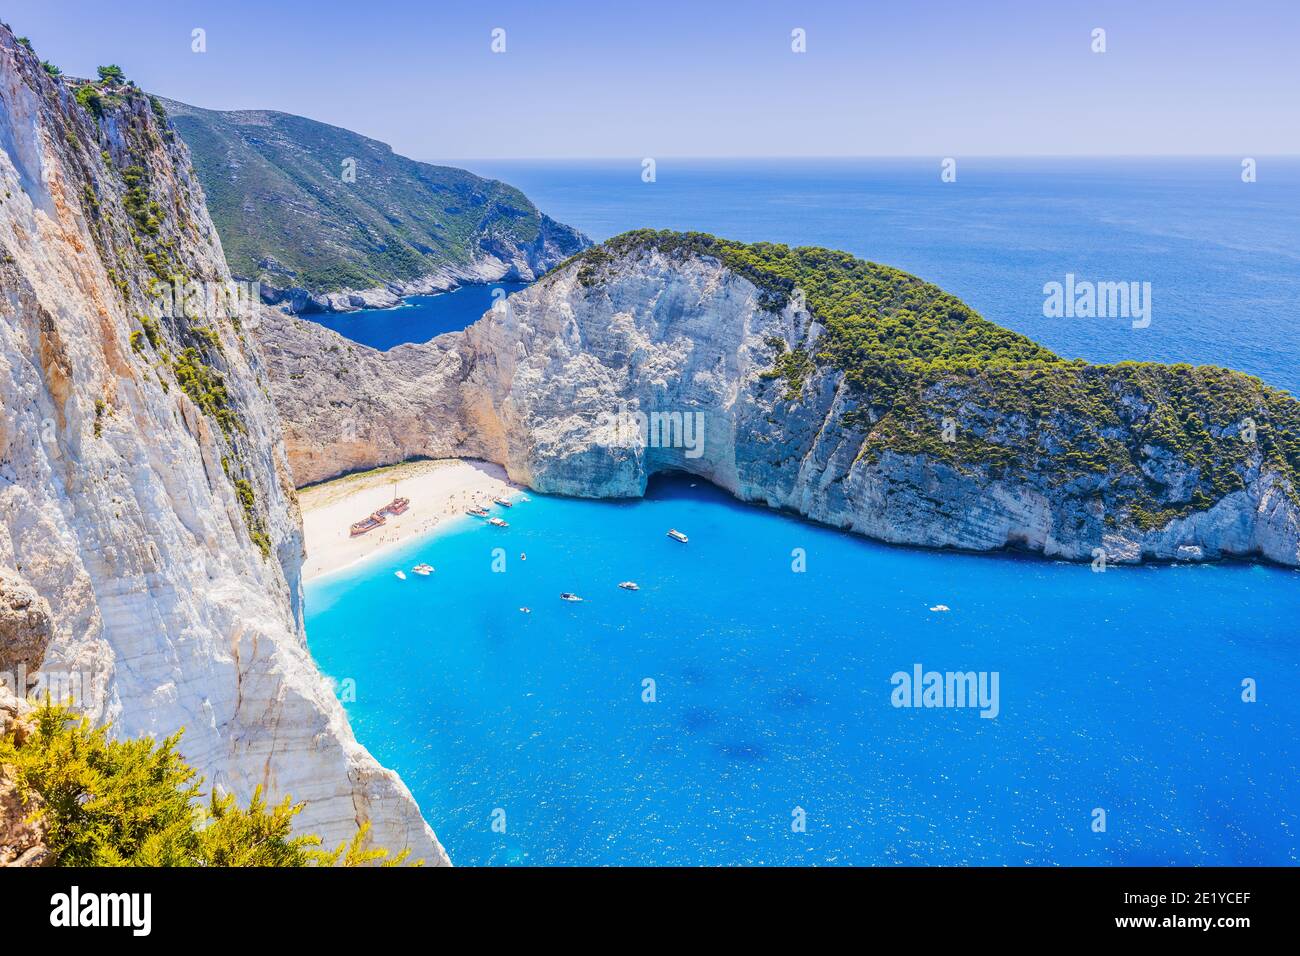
(439, 491)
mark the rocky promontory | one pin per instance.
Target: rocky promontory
(844, 391)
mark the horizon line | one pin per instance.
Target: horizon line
(928, 157)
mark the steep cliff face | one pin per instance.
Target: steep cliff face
(145, 496)
(346, 407)
(989, 442)
(26, 626)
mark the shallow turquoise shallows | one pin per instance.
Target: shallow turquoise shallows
(1120, 691)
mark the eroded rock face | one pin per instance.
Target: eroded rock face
(26, 626)
(349, 407)
(542, 387)
(145, 494)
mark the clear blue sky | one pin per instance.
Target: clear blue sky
(714, 78)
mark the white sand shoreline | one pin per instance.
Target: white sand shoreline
(439, 490)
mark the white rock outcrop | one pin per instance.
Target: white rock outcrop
(542, 386)
(157, 520)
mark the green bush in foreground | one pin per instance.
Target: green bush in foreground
(106, 802)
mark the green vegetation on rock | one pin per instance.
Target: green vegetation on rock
(252, 518)
(105, 802)
(90, 100)
(917, 358)
(205, 387)
(146, 213)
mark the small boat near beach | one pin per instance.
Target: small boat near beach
(504, 502)
(498, 523)
(677, 535)
(424, 570)
(401, 575)
(569, 596)
(477, 512)
(630, 586)
(941, 607)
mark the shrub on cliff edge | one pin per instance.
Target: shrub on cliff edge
(106, 802)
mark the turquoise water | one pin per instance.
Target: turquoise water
(419, 318)
(1222, 256)
(1118, 690)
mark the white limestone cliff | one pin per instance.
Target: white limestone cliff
(158, 522)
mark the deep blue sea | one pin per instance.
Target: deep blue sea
(1118, 691)
(419, 318)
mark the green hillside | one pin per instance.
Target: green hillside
(276, 190)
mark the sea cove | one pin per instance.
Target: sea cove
(772, 691)
(419, 317)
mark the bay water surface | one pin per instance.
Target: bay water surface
(1118, 691)
(419, 317)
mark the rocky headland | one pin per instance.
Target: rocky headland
(844, 391)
